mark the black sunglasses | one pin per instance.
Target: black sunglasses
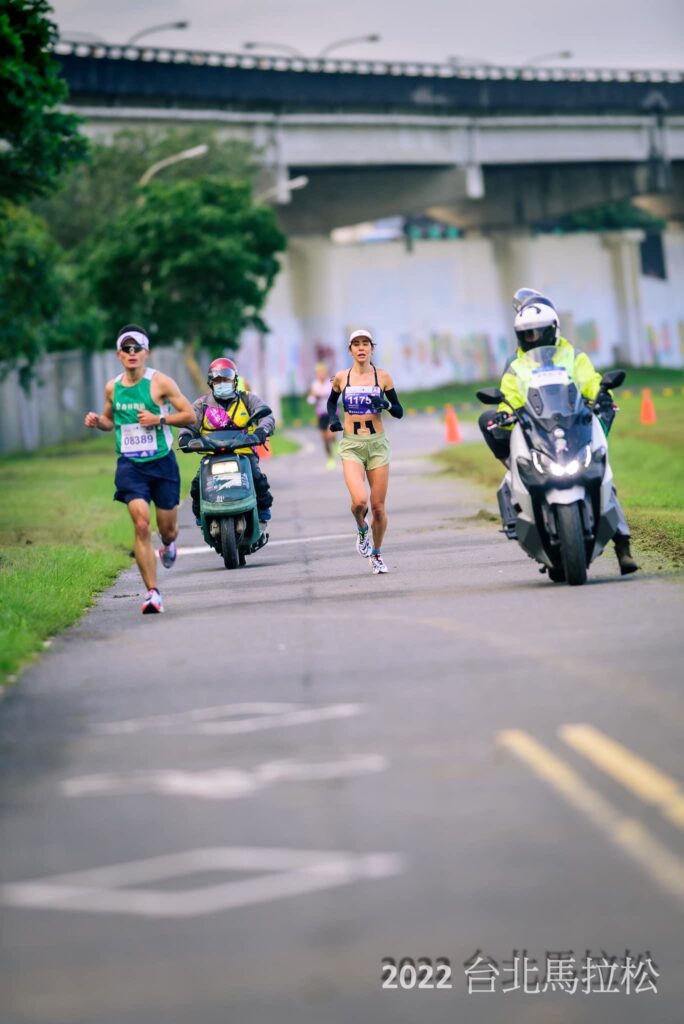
(129, 349)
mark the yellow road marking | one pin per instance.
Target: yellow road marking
(633, 838)
(633, 772)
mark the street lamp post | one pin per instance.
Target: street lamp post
(282, 189)
(156, 28)
(274, 46)
(544, 57)
(373, 38)
(186, 154)
(252, 45)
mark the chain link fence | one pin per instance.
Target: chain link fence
(63, 387)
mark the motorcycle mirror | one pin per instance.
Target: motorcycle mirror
(613, 379)
(264, 410)
(490, 396)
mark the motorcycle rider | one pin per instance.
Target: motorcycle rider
(226, 407)
(536, 324)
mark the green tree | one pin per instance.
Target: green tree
(95, 191)
(610, 217)
(36, 141)
(44, 305)
(192, 260)
(30, 296)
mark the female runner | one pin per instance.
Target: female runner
(364, 448)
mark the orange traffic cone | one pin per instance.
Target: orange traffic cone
(648, 413)
(262, 451)
(452, 430)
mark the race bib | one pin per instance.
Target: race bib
(559, 375)
(137, 441)
(360, 400)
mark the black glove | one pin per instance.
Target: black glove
(260, 435)
(184, 436)
(500, 418)
(603, 402)
(335, 425)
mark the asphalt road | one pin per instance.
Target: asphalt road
(231, 813)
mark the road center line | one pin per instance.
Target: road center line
(633, 772)
(633, 838)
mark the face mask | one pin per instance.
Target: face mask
(224, 391)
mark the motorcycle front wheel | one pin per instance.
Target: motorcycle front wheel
(571, 537)
(229, 548)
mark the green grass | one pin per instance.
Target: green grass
(63, 539)
(648, 463)
(296, 411)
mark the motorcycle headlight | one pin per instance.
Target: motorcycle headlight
(543, 464)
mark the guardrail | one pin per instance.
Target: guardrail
(412, 69)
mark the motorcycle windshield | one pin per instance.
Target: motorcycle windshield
(559, 424)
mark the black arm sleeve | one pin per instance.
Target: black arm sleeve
(395, 408)
(333, 399)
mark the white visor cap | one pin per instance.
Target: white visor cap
(137, 336)
(361, 334)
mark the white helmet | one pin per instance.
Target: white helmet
(536, 323)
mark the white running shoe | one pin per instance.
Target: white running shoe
(363, 542)
(153, 603)
(167, 554)
(377, 564)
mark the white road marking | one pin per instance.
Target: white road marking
(221, 783)
(290, 873)
(223, 719)
(275, 543)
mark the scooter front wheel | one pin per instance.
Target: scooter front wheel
(229, 548)
(571, 537)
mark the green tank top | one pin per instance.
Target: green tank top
(141, 444)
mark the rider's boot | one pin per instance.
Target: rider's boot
(624, 554)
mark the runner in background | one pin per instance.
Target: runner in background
(318, 396)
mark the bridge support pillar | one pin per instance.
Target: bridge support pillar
(317, 299)
(513, 255)
(624, 255)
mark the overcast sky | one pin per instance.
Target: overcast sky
(599, 33)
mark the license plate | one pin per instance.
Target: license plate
(222, 468)
(543, 377)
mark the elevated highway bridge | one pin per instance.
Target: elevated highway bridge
(486, 148)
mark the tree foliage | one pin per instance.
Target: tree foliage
(611, 217)
(94, 192)
(37, 141)
(43, 304)
(29, 284)
(192, 260)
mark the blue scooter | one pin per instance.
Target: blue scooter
(228, 507)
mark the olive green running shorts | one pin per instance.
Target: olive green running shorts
(371, 451)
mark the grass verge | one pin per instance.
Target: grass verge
(648, 463)
(63, 539)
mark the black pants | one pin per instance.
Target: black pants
(498, 440)
(263, 492)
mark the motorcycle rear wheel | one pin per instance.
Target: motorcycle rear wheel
(229, 548)
(571, 537)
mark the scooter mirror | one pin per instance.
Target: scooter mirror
(613, 379)
(490, 396)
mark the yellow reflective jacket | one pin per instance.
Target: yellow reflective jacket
(578, 364)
